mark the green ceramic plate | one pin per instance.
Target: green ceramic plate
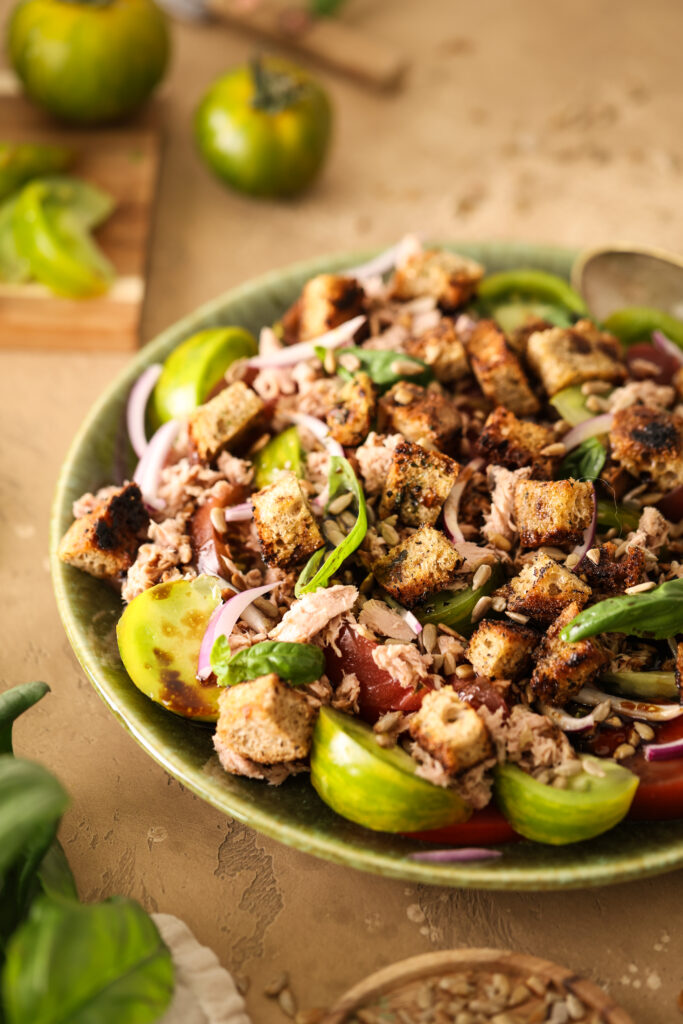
(293, 813)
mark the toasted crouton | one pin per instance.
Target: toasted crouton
(424, 415)
(451, 279)
(422, 563)
(350, 420)
(513, 443)
(441, 348)
(562, 668)
(265, 720)
(499, 371)
(609, 576)
(617, 480)
(552, 512)
(518, 338)
(563, 356)
(649, 441)
(224, 421)
(501, 650)
(543, 588)
(104, 541)
(287, 531)
(677, 381)
(328, 300)
(450, 730)
(417, 485)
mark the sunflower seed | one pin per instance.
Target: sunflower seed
(644, 730)
(480, 609)
(480, 577)
(217, 517)
(389, 534)
(594, 555)
(518, 617)
(557, 448)
(330, 363)
(429, 636)
(464, 671)
(340, 503)
(641, 588)
(500, 542)
(622, 751)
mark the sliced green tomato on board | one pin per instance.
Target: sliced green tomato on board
(196, 367)
(589, 806)
(373, 786)
(13, 269)
(282, 452)
(159, 636)
(21, 161)
(51, 234)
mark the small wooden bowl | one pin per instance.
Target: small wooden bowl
(405, 978)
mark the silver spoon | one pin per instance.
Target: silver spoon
(614, 277)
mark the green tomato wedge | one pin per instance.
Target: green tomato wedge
(455, 609)
(193, 370)
(21, 161)
(159, 636)
(570, 403)
(373, 786)
(588, 806)
(282, 452)
(536, 285)
(636, 323)
(513, 315)
(646, 685)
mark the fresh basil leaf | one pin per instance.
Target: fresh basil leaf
(220, 656)
(54, 873)
(657, 613)
(12, 704)
(31, 804)
(314, 575)
(585, 462)
(385, 368)
(298, 664)
(98, 964)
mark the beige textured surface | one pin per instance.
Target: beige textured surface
(554, 122)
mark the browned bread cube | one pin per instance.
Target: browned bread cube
(502, 649)
(424, 415)
(422, 563)
(327, 301)
(563, 669)
(287, 531)
(562, 356)
(417, 485)
(450, 730)
(442, 350)
(265, 720)
(350, 420)
(544, 588)
(450, 279)
(499, 371)
(513, 443)
(552, 512)
(104, 542)
(224, 421)
(650, 442)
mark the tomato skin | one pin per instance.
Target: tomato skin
(89, 62)
(264, 152)
(378, 691)
(485, 828)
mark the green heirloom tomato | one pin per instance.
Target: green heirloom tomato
(282, 452)
(265, 129)
(89, 61)
(21, 161)
(636, 323)
(535, 285)
(159, 636)
(193, 370)
(590, 804)
(375, 786)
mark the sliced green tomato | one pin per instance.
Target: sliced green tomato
(281, 452)
(21, 161)
(588, 806)
(51, 237)
(648, 685)
(611, 514)
(159, 636)
(13, 268)
(455, 609)
(636, 323)
(570, 403)
(374, 786)
(536, 285)
(513, 315)
(196, 367)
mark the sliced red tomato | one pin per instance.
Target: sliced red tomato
(667, 364)
(485, 828)
(671, 505)
(379, 691)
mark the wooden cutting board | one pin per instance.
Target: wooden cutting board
(124, 160)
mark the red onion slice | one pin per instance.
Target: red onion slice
(566, 722)
(387, 260)
(582, 549)
(319, 430)
(153, 459)
(643, 710)
(410, 620)
(589, 428)
(452, 504)
(223, 621)
(461, 854)
(664, 344)
(137, 405)
(663, 751)
(292, 354)
(239, 513)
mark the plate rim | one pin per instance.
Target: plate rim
(585, 874)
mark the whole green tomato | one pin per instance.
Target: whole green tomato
(265, 128)
(89, 61)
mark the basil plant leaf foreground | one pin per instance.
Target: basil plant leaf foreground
(656, 613)
(298, 664)
(31, 804)
(73, 964)
(13, 703)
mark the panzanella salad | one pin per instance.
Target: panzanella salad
(422, 540)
